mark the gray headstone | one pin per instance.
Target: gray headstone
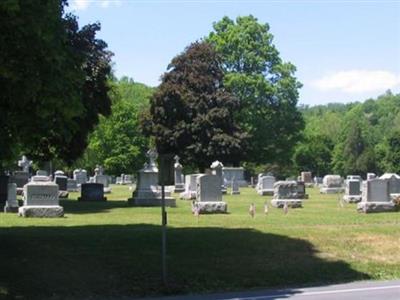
(20, 178)
(377, 190)
(12, 203)
(208, 188)
(353, 187)
(72, 185)
(80, 176)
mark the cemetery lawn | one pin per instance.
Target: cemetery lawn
(106, 250)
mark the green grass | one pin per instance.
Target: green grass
(110, 249)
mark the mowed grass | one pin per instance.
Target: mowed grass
(111, 250)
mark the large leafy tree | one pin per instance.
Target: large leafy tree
(264, 84)
(53, 80)
(117, 142)
(192, 114)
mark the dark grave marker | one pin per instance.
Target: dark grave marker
(92, 192)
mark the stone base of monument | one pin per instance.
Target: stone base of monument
(371, 207)
(188, 195)
(352, 198)
(63, 194)
(331, 190)
(211, 207)
(268, 192)
(179, 188)
(169, 202)
(10, 209)
(53, 211)
(293, 203)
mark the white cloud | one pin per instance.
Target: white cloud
(358, 81)
(84, 4)
(79, 4)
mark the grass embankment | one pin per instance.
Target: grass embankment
(110, 249)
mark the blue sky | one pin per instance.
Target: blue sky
(343, 50)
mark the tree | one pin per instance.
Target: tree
(354, 154)
(53, 80)
(192, 114)
(314, 154)
(265, 86)
(388, 152)
(117, 142)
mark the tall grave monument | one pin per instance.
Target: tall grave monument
(147, 191)
(179, 183)
(217, 169)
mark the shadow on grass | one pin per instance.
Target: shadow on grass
(124, 260)
(78, 207)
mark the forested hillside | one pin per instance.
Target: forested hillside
(351, 138)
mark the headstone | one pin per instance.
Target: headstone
(80, 176)
(332, 184)
(235, 187)
(190, 187)
(371, 176)
(286, 195)
(179, 184)
(266, 185)
(127, 179)
(147, 191)
(394, 184)
(318, 180)
(12, 203)
(230, 173)
(352, 191)
(217, 169)
(41, 199)
(92, 192)
(41, 173)
(306, 177)
(20, 178)
(62, 181)
(3, 190)
(99, 177)
(72, 185)
(376, 197)
(209, 195)
(301, 190)
(119, 180)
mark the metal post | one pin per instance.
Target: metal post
(164, 236)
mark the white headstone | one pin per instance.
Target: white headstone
(209, 195)
(266, 185)
(41, 199)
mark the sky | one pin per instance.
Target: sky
(344, 51)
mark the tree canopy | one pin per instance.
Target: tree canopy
(265, 86)
(192, 114)
(117, 142)
(53, 78)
